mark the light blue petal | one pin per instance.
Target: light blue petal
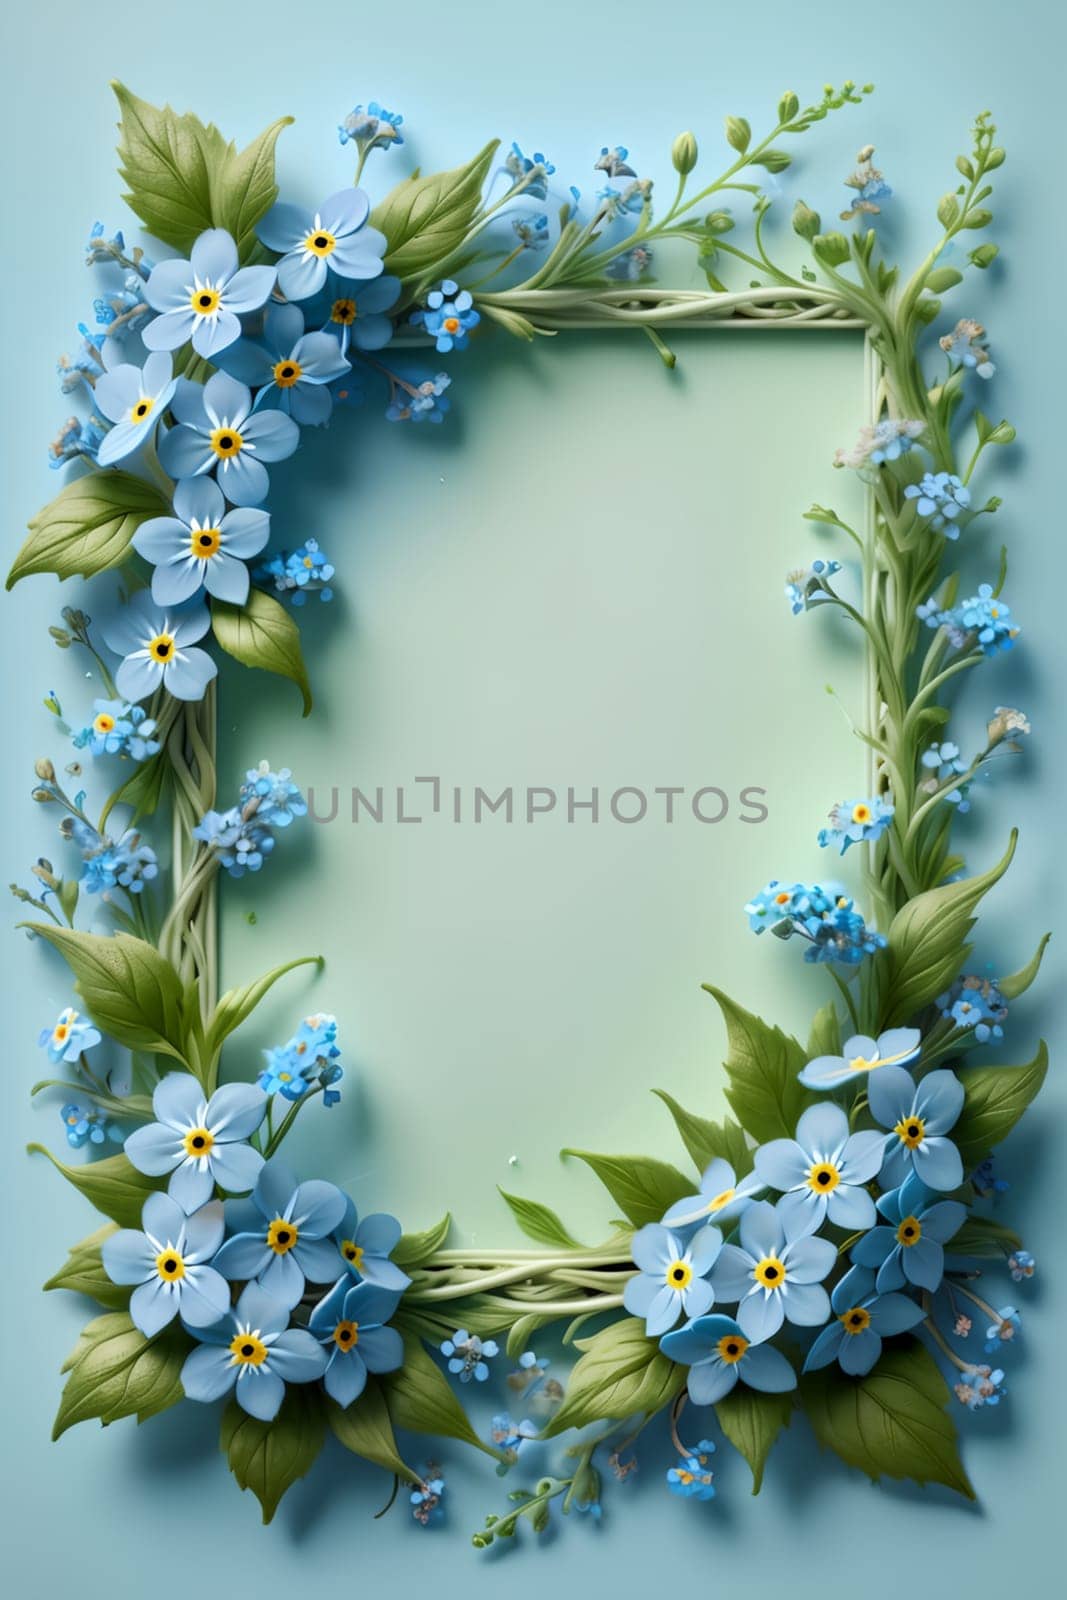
(213, 334)
(938, 1164)
(214, 256)
(226, 402)
(137, 677)
(204, 1296)
(874, 1247)
(123, 440)
(176, 581)
(709, 1381)
(152, 1306)
(208, 1374)
(854, 1288)
(330, 1309)
(359, 255)
(161, 538)
(862, 1157)
(382, 1349)
(768, 1370)
(761, 1230)
(895, 1313)
(248, 362)
(309, 405)
(825, 1073)
(891, 1272)
(275, 1188)
(859, 1352)
(284, 226)
(184, 453)
(639, 1293)
(345, 211)
(346, 1377)
(187, 675)
(896, 1163)
(178, 1100)
(317, 1259)
(260, 1392)
(297, 1356)
(244, 480)
(203, 1231)
(823, 1130)
(902, 1042)
(127, 1256)
(226, 578)
(653, 1247)
(317, 1208)
(283, 1280)
(249, 288)
(169, 285)
(368, 1303)
(851, 1208)
(890, 1094)
(731, 1276)
(155, 1149)
(300, 276)
(115, 393)
(164, 1219)
(188, 407)
(704, 1248)
(782, 1163)
(809, 1260)
(923, 1263)
(242, 1257)
(801, 1211)
(761, 1315)
(806, 1305)
(939, 1100)
(825, 1348)
(275, 436)
(383, 1273)
(943, 1220)
(258, 1309)
(319, 356)
(236, 1110)
(663, 1312)
(378, 1233)
(698, 1298)
(245, 531)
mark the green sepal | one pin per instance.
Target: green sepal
(88, 527)
(538, 1222)
(641, 1185)
(621, 1372)
(706, 1140)
(893, 1423)
(114, 1371)
(261, 633)
(269, 1457)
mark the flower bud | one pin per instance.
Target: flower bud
(684, 153)
(45, 770)
(806, 222)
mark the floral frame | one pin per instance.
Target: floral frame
(217, 1274)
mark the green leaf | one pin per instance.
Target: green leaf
(365, 1428)
(261, 633)
(237, 1005)
(892, 1423)
(738, 133)
(88, 527)
(414, 1249)
(825, 1036)
(184, 176)
(114, 1185)
(144, 788)
(539, 1222)
(1017, 983)
(942, 279)
(706, 1140)
(83, 1272)
(426, 219)
(763, 1062)
(269, 1457)
(129, 990)
(948, 210)
(928, 942)
(994, 1100)
(642, 1186)
(622, 1372)
(752, 1422)
(981, 1238)
(116, 1372)
(420, 1398)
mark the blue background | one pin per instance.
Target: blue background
(153, 1508)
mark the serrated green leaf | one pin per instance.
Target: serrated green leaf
(994, 1100)
(88, 527)
(538, 1222)
(237, 1005)
(765, 1092)
(129, 990)
(83, 1272)
(261, 633)
(706, 1140)
(621, 1373)
(928, 942)
(420, 1398)
(981, 1238)
(269, 1457)
(641, 1185)
(426, 219)
(365, 1428)
(116, 1372)
(893, 1423)
(184, 176)
(415, 1249)
(752, 1422)
(114, 1185)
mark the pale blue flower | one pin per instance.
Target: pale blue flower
(422, 400)
(822, 1173)
(983, 620)
(281, 1236)
(919, 1116)
(335, 238)
(158, 646)
(77, 438)
(693, 1479)
(468, 1356)
(254, 1352)
(289, 369)
(940, 496)
(87, 1125)
(863, 1317)
(980, 1386)
(69, 1037)
(201, 1142)
(910, 1249)
(776, 1272)
(964, 346)
(202, 299)
(861, 1055)
(722, 1197)
(168, 1259)
(202, 546)
(118, 729)
(614, 162)
(372, 128)
(365, 1245)
(975, 1003)
(353, 312)
(672, 1280)
(125, 863)
(529, 171)
(133, 399)
(449, 316)
(1021, 1264)
(272, 796)
(857, 822)
(350, 1324)
(219, 432)
(719, 1355)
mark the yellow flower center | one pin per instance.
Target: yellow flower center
(226, 442)
(909, 1232)
(161, 648)
(142, 409)
(353, 1253)
(451, 324)
(911, 1131)
(248, 1350)
(205, 542)
(731, 1348)
(320, 243)
(782, 898)
(770, 1272)
(198, 1142)
(346, 1335)
(281, 1236)
(60, 1033)
(723, 1198)
(855, 1319)
(861, 813)
(679, 1275)
(103, 723)
(344, 312)
(286, 373)
(823, 1177)
(205, 300)
(170, 1266)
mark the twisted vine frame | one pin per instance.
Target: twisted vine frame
(912, 880)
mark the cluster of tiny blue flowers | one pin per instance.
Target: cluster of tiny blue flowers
(449, 317)
(245, 835)
(306, 571)
(88, 1125)
(829, 922)
(976, 1003)
(118, 729)
(69, 1037)
(310, 1060)
(468, 1356)
(983, 620)
(693, 1479)
(940, 497)
(372, 127)
(124, 863)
